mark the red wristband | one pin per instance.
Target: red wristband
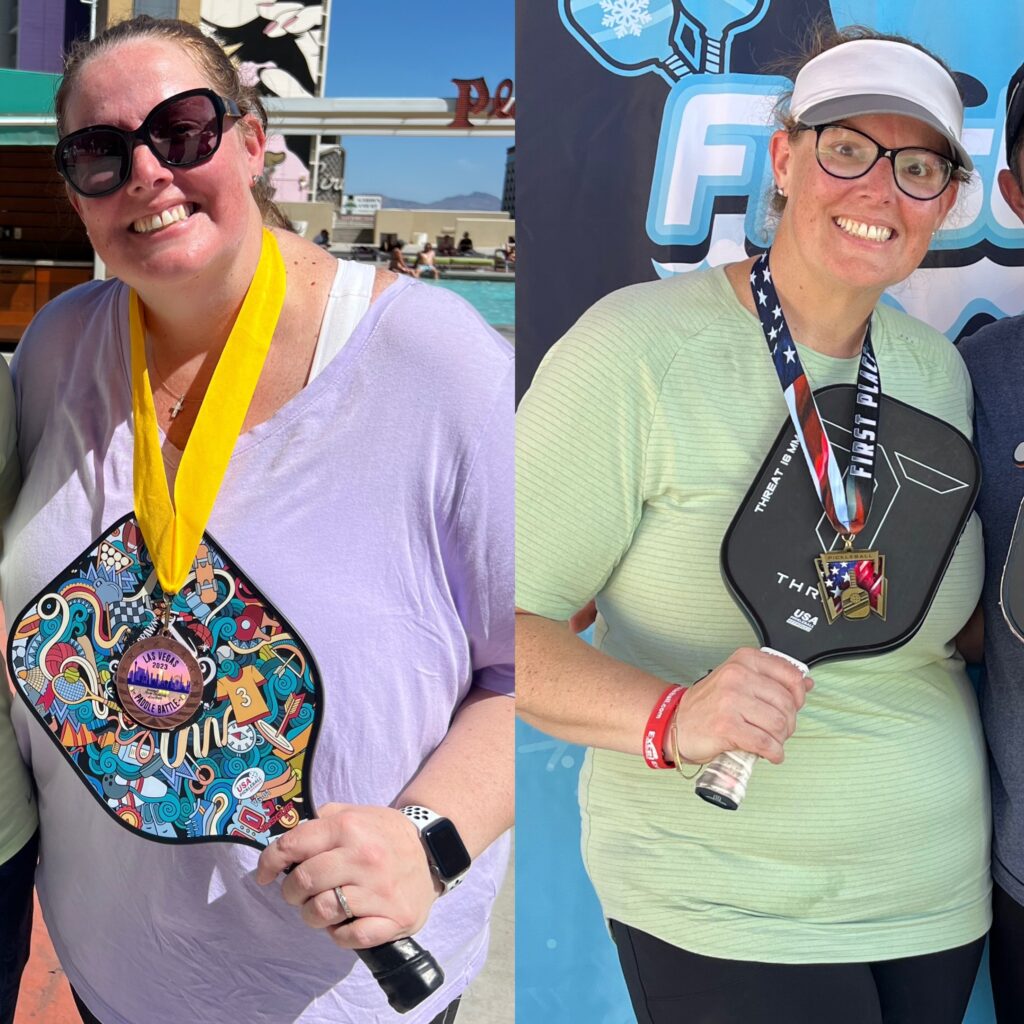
(657, 726)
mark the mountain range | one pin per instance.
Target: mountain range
(473, 201)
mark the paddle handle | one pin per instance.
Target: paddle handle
(724, 781)
(404, 970)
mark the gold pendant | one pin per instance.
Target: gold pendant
(852, 584)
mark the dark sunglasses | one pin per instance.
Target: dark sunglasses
(180, 131)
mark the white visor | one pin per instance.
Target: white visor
(878, 76)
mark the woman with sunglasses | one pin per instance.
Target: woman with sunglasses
(852, 885)
(342, 495)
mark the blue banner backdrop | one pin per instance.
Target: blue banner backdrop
(642, 152)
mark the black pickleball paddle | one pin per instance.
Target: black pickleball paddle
(926, 480)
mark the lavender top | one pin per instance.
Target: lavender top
(375, 510)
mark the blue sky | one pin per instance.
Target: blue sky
(406, 48)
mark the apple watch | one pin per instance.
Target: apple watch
(446, 853)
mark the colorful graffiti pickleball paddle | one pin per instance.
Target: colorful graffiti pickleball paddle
(783, 561)
(205, 733)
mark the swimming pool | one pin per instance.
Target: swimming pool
(494, 300)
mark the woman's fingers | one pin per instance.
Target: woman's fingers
(364, 932)
(325, 910)
(306, 840)
(368, 925)
(373, 854)
(778, 723)
(317, 875)
(756, 740)
(750, 702)
(771, 666)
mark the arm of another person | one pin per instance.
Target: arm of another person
(970, 641)
(10, 466)
(375, 852)
(581, 464)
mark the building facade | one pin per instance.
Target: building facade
(508, 194)
(280, 48)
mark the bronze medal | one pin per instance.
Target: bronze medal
(159, 683)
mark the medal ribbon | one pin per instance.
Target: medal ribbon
(173, 531)
(845, 505)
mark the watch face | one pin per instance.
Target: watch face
(446, 849)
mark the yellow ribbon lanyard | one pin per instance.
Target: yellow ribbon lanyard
(173, 532)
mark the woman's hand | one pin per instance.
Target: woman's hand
(374, 854)
(584, 618)
(749, 702)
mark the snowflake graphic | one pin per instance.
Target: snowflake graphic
(627, 17)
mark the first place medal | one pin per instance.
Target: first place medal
(851, 583)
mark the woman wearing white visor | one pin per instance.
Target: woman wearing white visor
(854, 888)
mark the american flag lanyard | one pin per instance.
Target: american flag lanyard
(852, 582)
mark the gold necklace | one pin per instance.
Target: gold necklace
(179, 399)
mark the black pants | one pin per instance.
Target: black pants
(1006, 957)
(15, 923)
(446, 1016)
(669, 985)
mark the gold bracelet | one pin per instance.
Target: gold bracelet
(673, 747)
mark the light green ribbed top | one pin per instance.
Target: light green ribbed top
(642, 432)
(18, 818)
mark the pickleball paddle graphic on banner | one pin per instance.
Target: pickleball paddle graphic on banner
(226, 757)
(719, 21)
(926, 481)
(631, 37)
(673, 39)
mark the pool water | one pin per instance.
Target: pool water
(495, 301)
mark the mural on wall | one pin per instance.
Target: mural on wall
(278, 49)
(286, 172)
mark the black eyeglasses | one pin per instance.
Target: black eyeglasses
(847, 153)
(180, 131)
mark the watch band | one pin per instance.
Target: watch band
(428, 823)
(421, 816)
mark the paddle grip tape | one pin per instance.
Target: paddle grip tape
(404, 970)
(724, 781)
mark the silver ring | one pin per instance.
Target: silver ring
(343, 903)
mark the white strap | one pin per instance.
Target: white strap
(347, 305)
(348, 302)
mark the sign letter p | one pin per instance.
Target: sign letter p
(473, 98)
